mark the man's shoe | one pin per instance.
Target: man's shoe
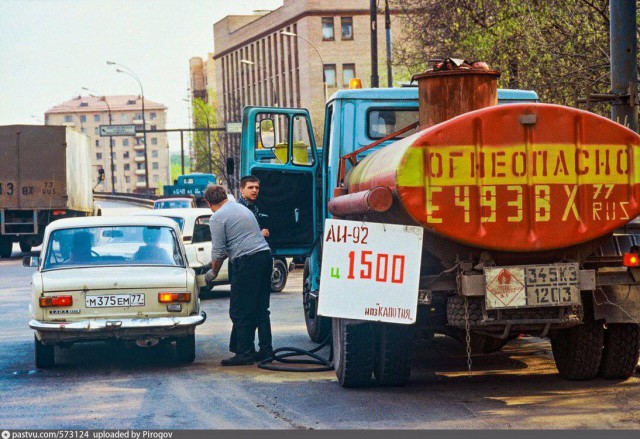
(238, 360)
(263, 355)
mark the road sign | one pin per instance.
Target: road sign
(234, 127)
(117, 130)
(370, 271)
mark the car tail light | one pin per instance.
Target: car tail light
(59, 212)
(174, 297)
(50, 301)
(631, 260)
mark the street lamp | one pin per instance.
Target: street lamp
(274, 97)
(291, 34)
(104, 98)
(129, 72)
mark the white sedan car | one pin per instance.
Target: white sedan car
(102, 278)
(196, 236)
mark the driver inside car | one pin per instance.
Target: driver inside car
(80, 253)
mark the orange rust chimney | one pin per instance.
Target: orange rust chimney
(455, 87)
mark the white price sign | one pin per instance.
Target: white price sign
(370, 271)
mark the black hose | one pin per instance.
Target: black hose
(284, 355)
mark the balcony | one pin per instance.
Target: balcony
(141, 184)
(139, 172)
(138, 147)
(139, 134)
(137, 121)
(139, 159)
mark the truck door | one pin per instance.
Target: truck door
(278, 147)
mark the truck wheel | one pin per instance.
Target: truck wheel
(392, 362)
(5, 247)
(352, 353)
(621, 349)
(577, 351)
(25, 247)
(45, 354)
(186, 348)
(318, 327)
(279, 275)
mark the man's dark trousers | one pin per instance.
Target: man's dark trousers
(249, 308)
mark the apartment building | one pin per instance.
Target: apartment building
(87, 113)
(295, 56)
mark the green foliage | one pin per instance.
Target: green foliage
(559, 48)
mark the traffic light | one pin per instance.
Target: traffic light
(100, 175)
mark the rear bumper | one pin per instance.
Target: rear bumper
(98, 329)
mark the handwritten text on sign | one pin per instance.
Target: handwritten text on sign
(370, 271)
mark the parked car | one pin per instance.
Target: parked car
(174, 203)
(196, 236)
(105, 278)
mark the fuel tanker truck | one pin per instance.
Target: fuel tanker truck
(486, 221)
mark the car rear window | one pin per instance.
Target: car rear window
(113, 245)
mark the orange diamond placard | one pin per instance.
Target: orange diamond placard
(505, 287)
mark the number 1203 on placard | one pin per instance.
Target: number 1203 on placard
(380, 267)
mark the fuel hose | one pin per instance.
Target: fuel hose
(292, 356)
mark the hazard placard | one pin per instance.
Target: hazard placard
(505, 287)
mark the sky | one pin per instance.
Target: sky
(50, 49)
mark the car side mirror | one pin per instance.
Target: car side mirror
(30, 261)
(231, 166)
(267, 133)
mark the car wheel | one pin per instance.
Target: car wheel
(5, 247)
(25, 247)
(45, 354)
(279, 275)
(186, 348)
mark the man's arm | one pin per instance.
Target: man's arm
(213, 273)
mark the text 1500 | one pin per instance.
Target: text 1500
(380, 267)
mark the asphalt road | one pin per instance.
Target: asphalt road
(104, 386)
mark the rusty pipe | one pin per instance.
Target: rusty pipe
(378, 199)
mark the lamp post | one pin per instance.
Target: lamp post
(128, 72)
(104, 98)
(274, 97)
(206, 114)
(291, 34)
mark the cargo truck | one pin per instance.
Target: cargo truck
(526, 210)
(45, 174)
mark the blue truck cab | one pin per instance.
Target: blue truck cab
(190, 184)
(298, 176)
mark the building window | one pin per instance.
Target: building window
(348, 73)
(115, 179)
(113, 142)
(127, 166)
(83, 118)
(115, 167)
(98, 143)
(125, 142)
(98, 156)
(127, 179)
(139, 153)
(329, 75)
(154, 141)
(152, 115)
(96, 118)
(67, 118)
(347, 28)
(141, 178)
(154, 154)
(125, 155)
(154, 127)
(156, 179)
(155, 165)
(327, 29)
(140, 166)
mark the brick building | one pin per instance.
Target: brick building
(87, 113)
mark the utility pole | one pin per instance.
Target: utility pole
(387, 28)
(624, 62)
(375, 80)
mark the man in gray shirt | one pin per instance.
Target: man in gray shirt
(235, 234)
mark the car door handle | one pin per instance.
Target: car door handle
(296, 213)
(200, 249)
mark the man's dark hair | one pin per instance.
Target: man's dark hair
(215, 194)
(248, 179)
